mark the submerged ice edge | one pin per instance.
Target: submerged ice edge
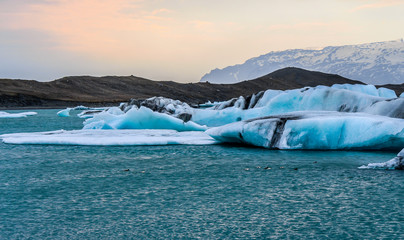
(396, 163)
(110, 138)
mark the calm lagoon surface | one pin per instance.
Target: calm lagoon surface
(186, 192)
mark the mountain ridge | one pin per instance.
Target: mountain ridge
(372, 63)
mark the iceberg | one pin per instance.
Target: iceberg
(64, 113)
(139, 118)
(164, 113)
(320, 98)
(316, 130)
(110, 138)
(367, 89)
(396, 163)
(87, 112)
(339, 97)
(343, 116)
(16, 115)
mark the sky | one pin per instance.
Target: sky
(177, 40)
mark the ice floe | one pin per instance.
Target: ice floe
(110, 138)
(397, 163)
(16, 115)
(315, 130)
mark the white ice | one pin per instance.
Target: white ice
(395, 163)
(110, 138)
(16, 115)
(316, 130)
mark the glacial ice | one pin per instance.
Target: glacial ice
(315, 130)
(338, 117)
(87, 112)
(319, 98)
(342, 98)
(110, 137)
(139, 118)
(64, 112)
(367, 89)
(16, 115)
(397, 163)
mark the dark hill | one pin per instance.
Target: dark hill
(93, 91)
(291, 78)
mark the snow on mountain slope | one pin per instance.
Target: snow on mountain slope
(372, 63)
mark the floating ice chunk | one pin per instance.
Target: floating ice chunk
(88, 113)
(367, 89)
(208, 104)
(315, 130)
(142, 118)
(342, 98)
(81, 107)
(16, 115)
(158, 104)
(64, 112)
(386, 93)
(396, 163)
(306, 99)
(402, 95)
(110, 137)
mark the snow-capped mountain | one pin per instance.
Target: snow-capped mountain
(373, 63)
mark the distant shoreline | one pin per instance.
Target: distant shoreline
(67, 105)
(112, 90)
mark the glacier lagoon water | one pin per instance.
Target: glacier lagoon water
(214, 191)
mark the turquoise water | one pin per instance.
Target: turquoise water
(186, 192)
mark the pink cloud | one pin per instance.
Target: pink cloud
(378, 4)
(90, 25)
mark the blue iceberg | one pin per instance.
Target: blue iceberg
(343, 116)
(341, 98)
(139, 118)
(315, 130)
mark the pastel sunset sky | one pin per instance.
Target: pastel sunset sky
(177, 40)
